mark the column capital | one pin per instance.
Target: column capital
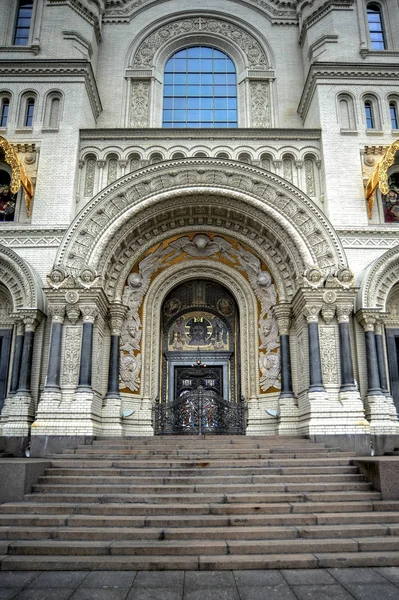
(343, 312)
(89, 313)
(367, 318)
(101, 164)
(283, 315)
(73, 313)
(311, 312)
(116, 316)
(31, 319)
(57, 312)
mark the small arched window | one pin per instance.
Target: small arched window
(376, 26)
(5, 108)
(135, 162)
(244, 157)
(393, 114)
(29, 111)
(222, 155)
(200, 89)
(369, 112)
(177, 155)
(156, 157)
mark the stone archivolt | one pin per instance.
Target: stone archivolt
(166, 194)
(378, 281)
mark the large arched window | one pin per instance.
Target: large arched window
(200, 89)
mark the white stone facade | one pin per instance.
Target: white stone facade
(125, 211)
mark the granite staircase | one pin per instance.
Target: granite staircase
(230, 502)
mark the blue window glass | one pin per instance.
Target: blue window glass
(30, 108)
(4, 112)
(368, 107)
(394, 115)
(376, 28)
(200, 89)
(22, 24)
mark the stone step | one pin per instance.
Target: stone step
(231, 532)
(195, 547)
(211, 453)
(355, 510)
(128, 479)
(263, 488)
(73, 461)
(201, 562)
(350, 496)
(211, 472)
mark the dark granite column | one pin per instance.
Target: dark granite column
(86, 357)
(16, 365)
(25, 372)
(347, 377)
(382, 370)
(315, 372)
(117, 313)
(282, 314)
(373, 376)
(54, 361)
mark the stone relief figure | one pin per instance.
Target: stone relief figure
(131, 334)
(58, 279)
(225, 307)
(268, 333)
(178, 334)
(200, 245)
(342, 278)
(269, 365)
(87, 278)
(129, 370)
(313, 277)
(172, 307)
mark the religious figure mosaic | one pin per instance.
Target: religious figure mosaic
(198, 330)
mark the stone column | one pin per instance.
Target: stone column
(112, 423)
(25, 372)
(288, 406)
(54, 362)
(315, 372)
(346, 363)
(117, 314)
(86, 355)
(379, 343)
(282, 313)
(16, 365)
(20, 406)
(379, 408)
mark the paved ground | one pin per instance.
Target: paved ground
(319, 584)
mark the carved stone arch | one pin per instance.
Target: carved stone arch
(21, 281)
(251, 55)
(246, 302)
(204, 194)
(378, 280)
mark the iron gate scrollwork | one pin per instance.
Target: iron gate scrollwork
(200, 412)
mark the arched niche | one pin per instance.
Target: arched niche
(21, 281)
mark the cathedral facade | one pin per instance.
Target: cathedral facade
(199, 201)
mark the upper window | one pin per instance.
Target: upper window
(200, 89)
(393, 113)
(376, 27)
(22, 25)
(368, 108)
(29, 110)
(5, 107)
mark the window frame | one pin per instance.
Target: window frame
(371, 104)
(198, 84)
(378, 10)
(5, 100)
(16, 28)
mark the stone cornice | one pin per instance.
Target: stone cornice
(361, 73)
(30, 236)
(55, 68)
(200, 134)
(278, 12)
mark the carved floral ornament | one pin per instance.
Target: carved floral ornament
(124, 10)
(255, 56)
(105, 224)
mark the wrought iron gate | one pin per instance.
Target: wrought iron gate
(200, 412)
